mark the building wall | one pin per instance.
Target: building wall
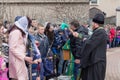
(55, 11)
(44, 1)
(118, 18)
(108, 6)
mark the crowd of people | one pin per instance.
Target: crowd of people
(30, 50)
(113, 33)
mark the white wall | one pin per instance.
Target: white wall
(108, 6)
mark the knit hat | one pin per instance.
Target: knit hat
(22, 24)
(63, 26)
(99, 18)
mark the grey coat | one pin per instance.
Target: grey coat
(44, 44)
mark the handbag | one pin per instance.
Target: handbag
(48, 62)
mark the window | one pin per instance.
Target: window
(94, 2)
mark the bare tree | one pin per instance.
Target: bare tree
(2, 9)
(66, 12)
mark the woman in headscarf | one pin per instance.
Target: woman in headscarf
(17, 49)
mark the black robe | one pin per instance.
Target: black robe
(93, 58)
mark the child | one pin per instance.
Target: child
(3, 69)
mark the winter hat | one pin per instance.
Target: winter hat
(17, 18)
(63, 26)
(22, 24)
(99, 18)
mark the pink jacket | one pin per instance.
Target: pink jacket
(17, 53)
(3, 73)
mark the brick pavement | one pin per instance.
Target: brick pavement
(113, 64)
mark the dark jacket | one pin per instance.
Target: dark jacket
(94, 49)
(59, 41)
(48, 67)
(76, 43)
(32, 48)
(44, 44)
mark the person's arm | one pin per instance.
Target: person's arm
(36, 37)
(81, 35)
(37, 54)
(76, 34)
(63, 41)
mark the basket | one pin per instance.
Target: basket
(64, 78)
(66, 50)
(66, 54)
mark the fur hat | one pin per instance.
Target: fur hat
(99, 18)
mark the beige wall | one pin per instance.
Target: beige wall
(108, 6)
(44, 12)
(29, 1)
(118, 18)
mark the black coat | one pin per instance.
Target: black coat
(76, 44)
(93, 59)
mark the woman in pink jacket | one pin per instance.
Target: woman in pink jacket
(17, 50)
(3, 69)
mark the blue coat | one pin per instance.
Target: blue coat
(48, 67)
(32, 48)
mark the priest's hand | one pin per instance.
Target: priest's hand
(77, 61)
(75, 34)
